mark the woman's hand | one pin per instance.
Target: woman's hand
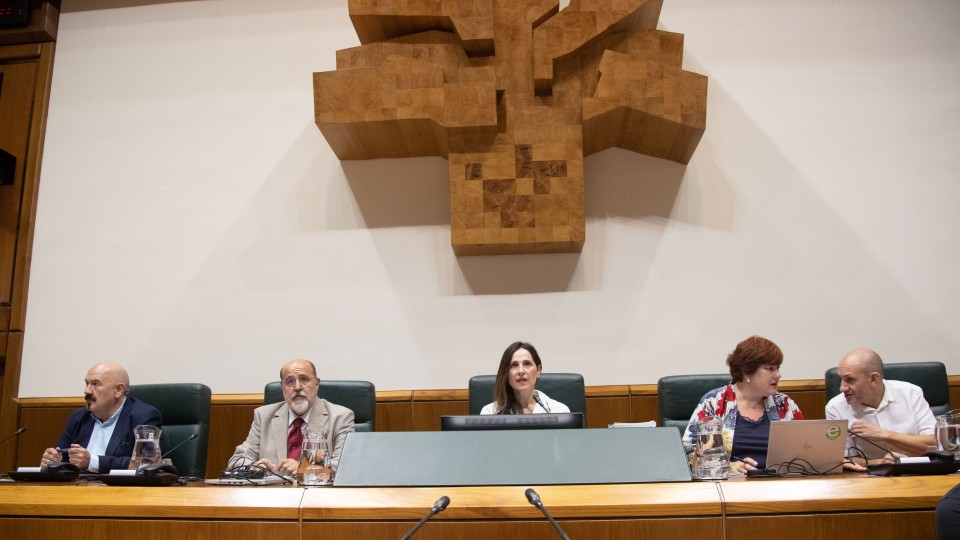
(743, 465)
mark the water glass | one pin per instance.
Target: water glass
(948, 432)
(710, 461)
(315, 468)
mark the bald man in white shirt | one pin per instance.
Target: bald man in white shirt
(893, 415)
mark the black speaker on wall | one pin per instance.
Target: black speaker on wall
(8, 166)
(8, 162)
(14, 13)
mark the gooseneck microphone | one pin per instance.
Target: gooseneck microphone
(183, 442)
(438, 507)
(536, 397)
(12, 435)
(535, 500)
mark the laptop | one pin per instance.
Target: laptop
(807, 446)
(265, 481)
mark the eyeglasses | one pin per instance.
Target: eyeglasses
(291, 381)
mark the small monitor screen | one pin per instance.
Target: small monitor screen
(511, 421)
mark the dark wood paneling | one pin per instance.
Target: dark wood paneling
(426, 414)
(644, 409)
(44, 427)
(873, 525)
(678, 529)
(395, 416)
(229, 425)
(58, 529)
(811, 402)
(603, 411)
(9, 409)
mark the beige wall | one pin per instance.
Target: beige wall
(194, 224)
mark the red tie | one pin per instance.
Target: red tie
(295, 439)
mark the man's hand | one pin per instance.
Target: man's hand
(851, 466)
(266, 463)
(288, 466)
(50, 455)
(868, 430)
(79, 456)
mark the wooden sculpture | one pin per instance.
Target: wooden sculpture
(514, 93)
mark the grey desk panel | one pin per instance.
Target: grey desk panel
(512, 458)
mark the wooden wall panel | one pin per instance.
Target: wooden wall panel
(395, 416)
(27, 71)
(229, 425)
(426, 414)
(607, 404)
(58, 529)
(44, 426)
(873, 525)
(9, 410)
(679, 529)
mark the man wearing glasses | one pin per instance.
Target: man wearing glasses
(275, 438)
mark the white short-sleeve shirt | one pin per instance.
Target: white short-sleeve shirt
(902, 409)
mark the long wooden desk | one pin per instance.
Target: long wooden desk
(853, 506)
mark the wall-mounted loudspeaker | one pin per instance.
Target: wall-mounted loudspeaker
(8, 166)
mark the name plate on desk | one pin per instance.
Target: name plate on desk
(512, 458)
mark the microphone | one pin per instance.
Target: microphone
(438, 507)
(875, 445)
(183, 442)
(12, 435)
(535, 500)
(536, 397)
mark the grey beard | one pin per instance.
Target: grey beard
(299, 405)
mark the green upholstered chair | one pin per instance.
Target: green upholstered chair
(679, 395)
(358, 396)
(567, 388)
(931, 377)
(185, 408)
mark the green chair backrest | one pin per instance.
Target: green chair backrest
(679, 395)
(185, 410)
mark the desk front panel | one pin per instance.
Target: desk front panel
(662, 529)
(850, 492)
(47, 528)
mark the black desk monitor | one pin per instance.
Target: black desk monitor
(491, 422)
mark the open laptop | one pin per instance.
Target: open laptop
(807, 446)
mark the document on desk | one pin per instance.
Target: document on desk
(512, 458)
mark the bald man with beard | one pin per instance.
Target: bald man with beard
(271, 441)
(99, 437)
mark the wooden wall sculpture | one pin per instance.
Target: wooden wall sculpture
(514, 93)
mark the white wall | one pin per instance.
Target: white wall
(194, 224)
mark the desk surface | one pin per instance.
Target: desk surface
(851, 492)
(881, 508)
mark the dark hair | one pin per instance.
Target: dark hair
(752, 353)
(505, 401)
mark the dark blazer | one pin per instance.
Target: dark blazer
(120, 448)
